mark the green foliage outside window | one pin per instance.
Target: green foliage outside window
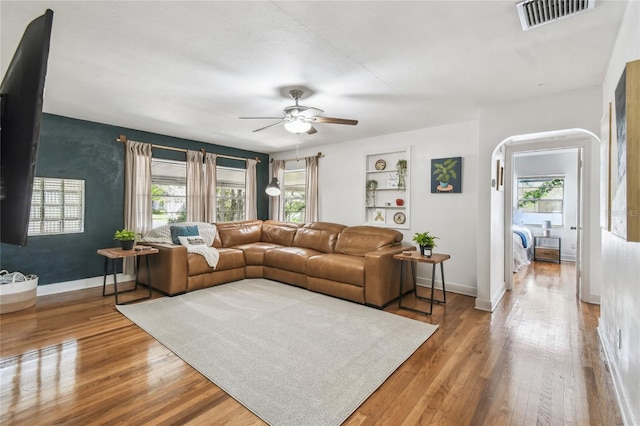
(540, 192)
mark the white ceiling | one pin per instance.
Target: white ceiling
(190, 69)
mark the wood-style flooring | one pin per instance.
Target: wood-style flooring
(73, 359)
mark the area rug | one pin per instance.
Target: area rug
(291, 356)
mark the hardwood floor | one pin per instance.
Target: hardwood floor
(73, 359)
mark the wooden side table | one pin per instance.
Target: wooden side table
(544, 250)
(118, 253)
(434, 259)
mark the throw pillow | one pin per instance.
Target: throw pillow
(184, 231)
(196, 240)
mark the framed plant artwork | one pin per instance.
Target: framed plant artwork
(446, 175)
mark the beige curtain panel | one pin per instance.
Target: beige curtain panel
(137, 191)
(311, 189)
(251, 205)
(195, 186)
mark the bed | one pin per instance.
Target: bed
(522, 247)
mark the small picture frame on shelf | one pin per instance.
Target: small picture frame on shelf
(393, 180)
(379, 216)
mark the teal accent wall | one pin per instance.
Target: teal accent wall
(77, 149)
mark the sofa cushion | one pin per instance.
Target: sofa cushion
(320, 236)
(182, 231)
(292, 259)
(337, 267)
(229, 259)
(277, 232)
(236, 233)
(360, 240)
(254, 252)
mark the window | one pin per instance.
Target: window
(168, 191)
(541, 198)
(294, 192)
(230, 196)
(57, 207)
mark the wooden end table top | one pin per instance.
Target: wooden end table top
(118, 253)
(435, 258)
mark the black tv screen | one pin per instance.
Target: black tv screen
(22, 93)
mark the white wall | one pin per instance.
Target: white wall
(550, 163)
(451, 217)
(620, 300)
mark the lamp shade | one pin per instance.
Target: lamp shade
(273, 189)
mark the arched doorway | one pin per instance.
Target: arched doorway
(588, 249)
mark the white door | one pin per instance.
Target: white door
(578, 227)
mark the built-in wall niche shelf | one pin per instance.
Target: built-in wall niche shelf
(386, 188)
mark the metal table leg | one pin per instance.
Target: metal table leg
(413, 273)
(115, 280)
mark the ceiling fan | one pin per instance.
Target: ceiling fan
(299, 118)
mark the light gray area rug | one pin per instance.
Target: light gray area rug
(291, 356)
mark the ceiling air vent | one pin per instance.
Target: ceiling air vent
(534, 13)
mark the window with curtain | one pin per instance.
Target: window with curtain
(231, 196)
(541, 198)
(57, 206)
(294, 192)
(168, 191)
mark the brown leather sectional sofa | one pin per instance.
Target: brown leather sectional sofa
(351, 262)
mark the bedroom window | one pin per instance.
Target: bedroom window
(168, 191)
(541, 198)
(57, 207)
(294, 192)
(230, 196)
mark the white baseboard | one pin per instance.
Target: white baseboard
(483, 305)
(452, 287)
(63, 287)
(626, 409)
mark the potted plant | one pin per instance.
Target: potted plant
(425, 241)
(401, 168)
(126, 237)
(372, 185)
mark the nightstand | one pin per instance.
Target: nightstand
(547, 248)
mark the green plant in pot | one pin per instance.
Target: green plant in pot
(401, 168)
(126, 237)
(426, 241)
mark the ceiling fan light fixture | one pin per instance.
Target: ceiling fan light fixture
(297, 125)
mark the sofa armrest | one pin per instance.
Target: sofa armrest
(168, 268)
(382, 275)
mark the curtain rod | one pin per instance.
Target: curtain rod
(319, 155)
(123, 139)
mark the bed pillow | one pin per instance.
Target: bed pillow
(195, 240)
(183, 231)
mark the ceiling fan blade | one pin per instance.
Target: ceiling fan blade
(312, 130)
(261, 118)
(310, 112)
(333, 120)
(270, 125)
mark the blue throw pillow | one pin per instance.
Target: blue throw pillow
(182, 231)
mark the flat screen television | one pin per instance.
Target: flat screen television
(22, 93)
